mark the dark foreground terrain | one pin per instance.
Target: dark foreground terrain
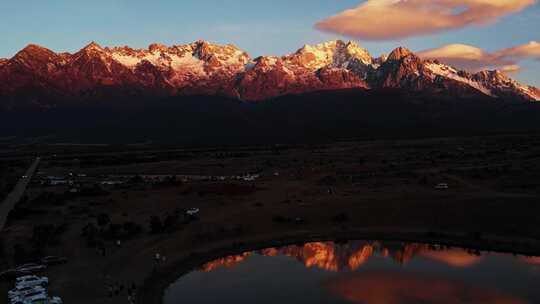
(307, 118)
(84, 199)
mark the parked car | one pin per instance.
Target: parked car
(53, 260)
(31, 280)
(55, 300)
(192, 211)
(41, 298)
(32, 297)
(22, 291)
(31, 267)
(27, 265)
(442, 186)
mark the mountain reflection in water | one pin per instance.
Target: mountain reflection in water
(351, 255)
(362, 272)
(392, 288)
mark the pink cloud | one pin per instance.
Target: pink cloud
(452, 257)
(382, 287)
(393, 19)
(474, 59)
(529, 50)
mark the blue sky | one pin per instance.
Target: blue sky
(259, 27)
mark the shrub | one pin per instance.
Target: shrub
(113, 232)
(103, 219)
(156, 226)
(170, 222)
(131, 229)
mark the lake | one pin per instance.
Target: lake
(367, 272)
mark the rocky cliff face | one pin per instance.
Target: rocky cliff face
(202, 68)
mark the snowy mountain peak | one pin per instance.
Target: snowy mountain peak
(399, 53)
(92, 46)
(219, 54)
(200, 57)
(32, 48)
(493, 75)
(157, 47)
(34, 51)
(35, 57)
(202, 67)
(535, 92)
(335, 53)
(503, 85)
(492, 83)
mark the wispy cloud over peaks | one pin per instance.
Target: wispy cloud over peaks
(393, 19)
(524, 51)
(471, 58)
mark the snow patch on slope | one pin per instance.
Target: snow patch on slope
(451, 73)
(126, 60)
(187, 62)
(336, 53)
(527, 91)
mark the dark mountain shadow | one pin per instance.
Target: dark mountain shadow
(313, 117)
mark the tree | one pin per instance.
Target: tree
(155, 224)
(103, 219)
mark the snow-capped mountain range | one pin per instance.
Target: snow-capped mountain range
(203, 68)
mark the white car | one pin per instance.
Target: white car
(442, 186)
(55, 300)
(32, 268)
(20, 292)
(30, 281)
(33, 297)
(41, 299)
(192, 211)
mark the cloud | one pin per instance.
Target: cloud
(531, 260)
(393, 19)
(405, 288)
(474, 59)
(510, 69)
(529, 50)
(452, 257)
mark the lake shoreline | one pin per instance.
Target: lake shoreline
(154, 286)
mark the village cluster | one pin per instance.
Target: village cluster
(79, 180)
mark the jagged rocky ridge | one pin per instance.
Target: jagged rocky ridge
(37, 74)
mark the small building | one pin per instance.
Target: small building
(442, 186)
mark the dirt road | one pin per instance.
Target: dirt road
(15, 196)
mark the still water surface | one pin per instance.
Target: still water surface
(363, 272)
